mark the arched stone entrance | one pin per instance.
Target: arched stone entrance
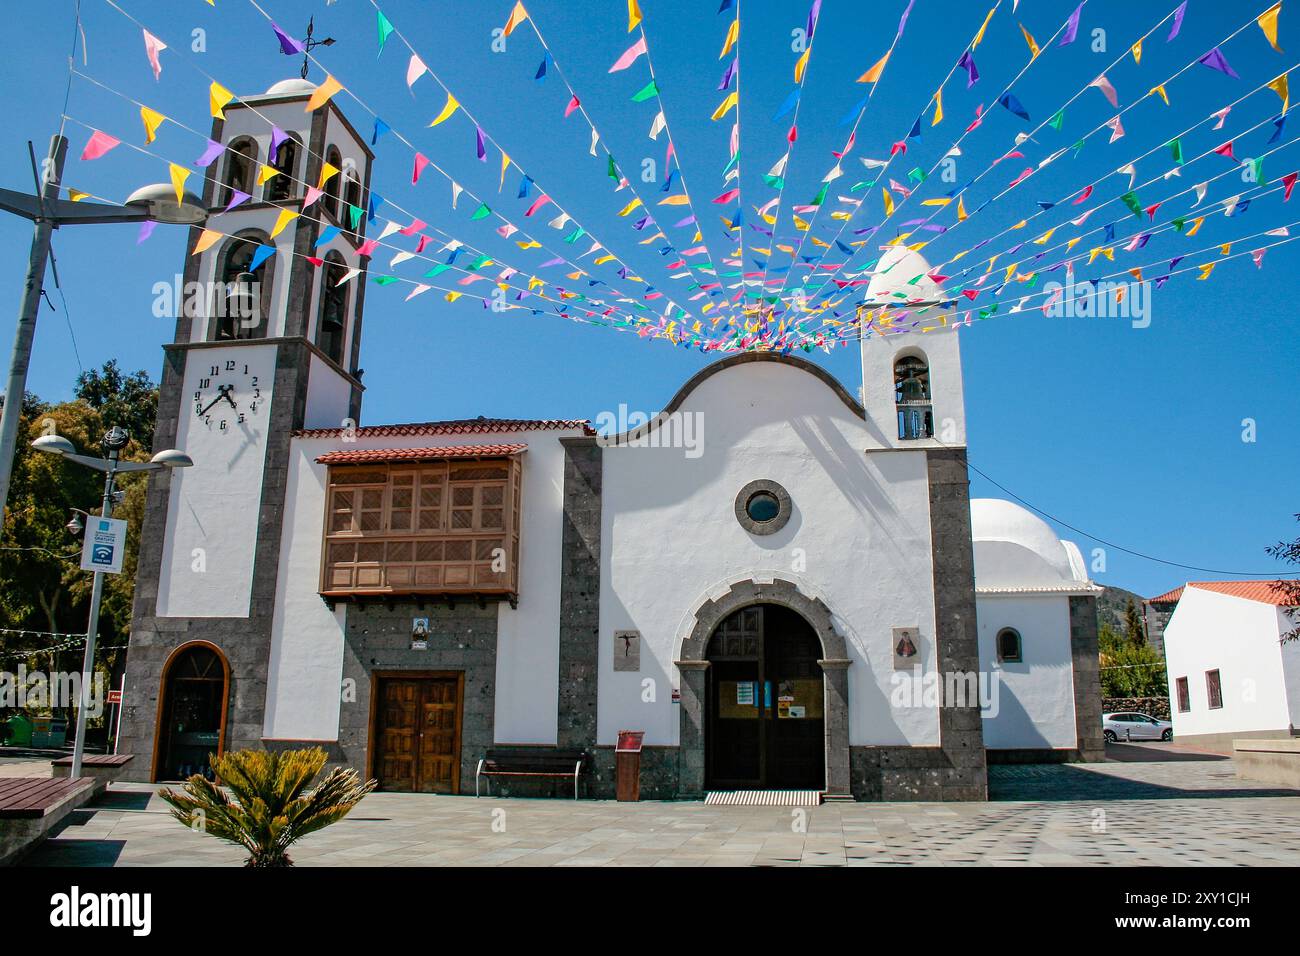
(192, 707)
(694, 663)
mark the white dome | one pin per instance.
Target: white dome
(894, 273)
(1014, 548)
(294, 85)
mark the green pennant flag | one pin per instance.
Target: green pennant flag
(1257, 170)
(385, 28)
(776, 182)
(385, 280)
(482, 212)
(354, 214)
(917, 174)
(612, 170)
(732, 162)
(647, 91)
(1176, 149)
(856, 187)
(1179, 223)
(478, 263)
(1130, 199)
(821, 196)
(574, 236)
(1056, 121)
(1077, 147)
(437, 270)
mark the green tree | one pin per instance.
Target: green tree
(1289, 590)
(265, 805)
(1133, 624)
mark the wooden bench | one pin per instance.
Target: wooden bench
(31, 807)
(530, 762)
(102, 768)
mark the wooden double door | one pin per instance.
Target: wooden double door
(417, 732)
(766, 724)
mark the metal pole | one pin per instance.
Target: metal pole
(27, 313)
(92, 630)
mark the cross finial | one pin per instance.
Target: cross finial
(309, 44)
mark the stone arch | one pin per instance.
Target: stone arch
(692, 664)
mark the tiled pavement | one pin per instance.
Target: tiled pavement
(1170, 812)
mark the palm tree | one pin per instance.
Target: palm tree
(267, 807)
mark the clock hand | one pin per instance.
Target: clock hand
(226, 396)
(204, 409)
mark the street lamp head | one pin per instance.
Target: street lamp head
(172, 458)
(160, 201)
(54, 445)
(115, 439)
(75, 527)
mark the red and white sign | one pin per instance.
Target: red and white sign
(115, 697)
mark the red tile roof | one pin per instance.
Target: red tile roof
(370, 456)
(1261, 591)
(463, 426)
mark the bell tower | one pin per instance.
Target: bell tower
(266, 342)
(912, 383)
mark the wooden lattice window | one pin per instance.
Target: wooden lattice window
(423, 528)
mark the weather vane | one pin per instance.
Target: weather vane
(308, 44)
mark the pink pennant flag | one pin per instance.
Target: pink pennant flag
(152, 47)
(414, 70)
(727, 197)
(629, 57)
(1116, 129)
(420, 162)
(573, 105)
(313, 194)
(98, 144)
(1225, 150)
(415, 226)
(368, 248)
(1221, 116)
(538, 203)
(847, 146)
(1289, 182)
(1022, 177)
(1107, 90)
(1087, 191)
(1258, 256)
(422, 244)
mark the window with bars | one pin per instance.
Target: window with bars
(427, 528)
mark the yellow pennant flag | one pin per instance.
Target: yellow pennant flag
(820, 242)
(633, 15)
(1279, 86)
(327, 172)
(1021, 224)
(323, 93)
(505, 164)
(733, 34)
(179, 175)
(979, 37)
(800, 65)
(1136, 50)
(938, 107)
(207, 239)
(1033, 45)
(1196, 226)
(286, 216)
(450, 107)
(219, 97)
(76, 195)
(935, 202)
(629, 207)
(530, 244)
(873, 74)
(1205, 271)
(1045, 237)
(681, 200)
(1161, 90)
(961, 209)
(606, 258)
(1268, 23)
(725, 107)
(1225, 248)
(1071, 243)
(889, 202)
(517, 16)
(453, 296)
(534, 282)
(801, 224)
(152, 120)
(266, 173)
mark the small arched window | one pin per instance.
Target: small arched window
(351, 200)
(1009, 650)
(244, 295)
(241, 169)
(331, 197)
(285, 162)
(912, 397)
(332, 318)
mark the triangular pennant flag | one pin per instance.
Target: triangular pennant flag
(448, 109)
(152, 120)
(1279, 86)
(323, 94)
(98, 144)
(633, 15)
(629, 56)
(385, 29)
(1215, 60)
(286, 216)
(873, 75)
(1033, 45)
(152, 47)
(219, 98)
(414, 70)
(261, 255)
(1161, 91)
(517, 16)
(1268, 23)
(207, 239)
(1107, 90)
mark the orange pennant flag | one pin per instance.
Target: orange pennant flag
(873, 74)
(323, 93)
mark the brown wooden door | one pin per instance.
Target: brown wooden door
(418, 740)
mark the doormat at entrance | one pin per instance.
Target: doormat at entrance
(763, 798)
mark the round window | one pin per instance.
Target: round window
(763, 506)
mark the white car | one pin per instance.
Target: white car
(1131, 726)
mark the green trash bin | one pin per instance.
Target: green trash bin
(49, 732)
(20, 731)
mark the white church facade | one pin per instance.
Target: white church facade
(784, 585)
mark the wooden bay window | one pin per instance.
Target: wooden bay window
(443, 526)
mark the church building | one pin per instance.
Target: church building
(781, 581)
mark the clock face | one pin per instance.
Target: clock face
(231, 395)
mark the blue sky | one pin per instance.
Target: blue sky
(1133, 435)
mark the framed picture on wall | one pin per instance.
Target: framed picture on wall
(419, 633)
(907, 648)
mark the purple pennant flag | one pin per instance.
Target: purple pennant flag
(237, 196)
(902, 22)
(478, 142)
(146, 230)
(1160, 281)
(278, 136)
(727, 77)
(688, 221)
(1215, 60)
(214, 150)
(1173, 263)
(1178, 21)
(641, 223)
(558, 260)
(1071, 27)
(813, 13)
(288, 45)
(967, 63)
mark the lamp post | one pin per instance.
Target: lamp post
(114, 441)
(48, 212)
